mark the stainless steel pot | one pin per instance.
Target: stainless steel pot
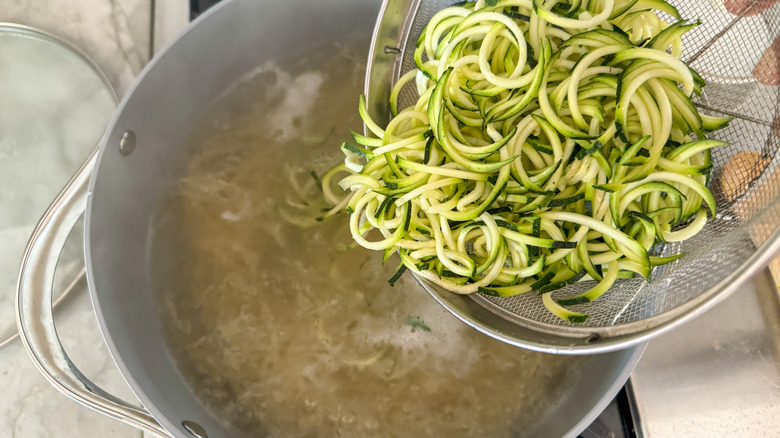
(119, 187)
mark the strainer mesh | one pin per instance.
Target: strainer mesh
(724, 49)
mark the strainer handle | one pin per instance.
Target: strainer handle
(34, 316)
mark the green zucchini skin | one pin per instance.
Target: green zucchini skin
(552, 142)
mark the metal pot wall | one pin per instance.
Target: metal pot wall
(120, 186)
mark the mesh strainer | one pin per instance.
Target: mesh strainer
(726, 50)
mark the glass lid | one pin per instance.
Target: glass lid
(55, 103)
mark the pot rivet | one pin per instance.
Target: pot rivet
(194, 429)
(127, 143)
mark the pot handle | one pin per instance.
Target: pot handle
(34, 316)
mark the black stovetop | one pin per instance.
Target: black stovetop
(615, 422)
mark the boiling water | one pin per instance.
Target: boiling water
(285, 331)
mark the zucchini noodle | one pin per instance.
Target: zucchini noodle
(552, 142)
